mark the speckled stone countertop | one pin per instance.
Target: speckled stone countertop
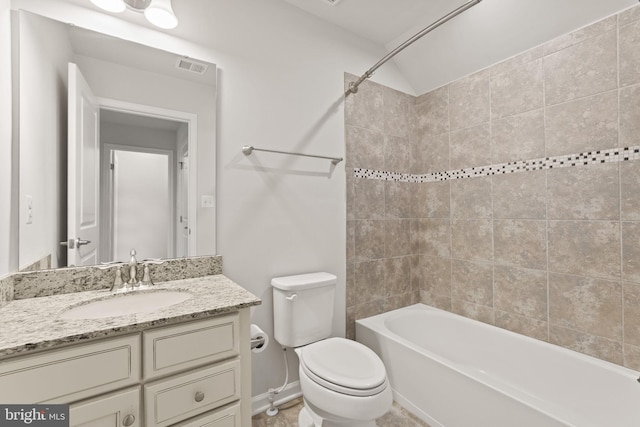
(35, 323)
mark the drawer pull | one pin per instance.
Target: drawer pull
(128, 420)
(199, 396)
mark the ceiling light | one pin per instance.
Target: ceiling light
(158, 12)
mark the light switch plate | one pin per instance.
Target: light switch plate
(29, 209)
(206, 201)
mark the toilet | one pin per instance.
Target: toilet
(343, 382)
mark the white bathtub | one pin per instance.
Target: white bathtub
(456, 372)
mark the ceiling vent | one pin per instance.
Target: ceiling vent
(332, 2)
(191, 65)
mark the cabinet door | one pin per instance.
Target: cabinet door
(226, 417)
(119, 409)
(71, 374)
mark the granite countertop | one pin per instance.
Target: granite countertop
(35, 323)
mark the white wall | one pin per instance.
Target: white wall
(6, 169)
(281, 215)
(44, 53)
(280, 87)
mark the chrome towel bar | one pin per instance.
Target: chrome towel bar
(248, 149)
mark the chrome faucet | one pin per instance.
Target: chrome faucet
(133, 270)
(119, 284)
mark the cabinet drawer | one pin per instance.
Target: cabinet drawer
(185, 346)
(225, 417)
(184, 396)
(72, 373)
(115, 409)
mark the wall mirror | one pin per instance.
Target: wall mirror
(116, 147)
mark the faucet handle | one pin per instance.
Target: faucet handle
(108, 264)
(146, 276)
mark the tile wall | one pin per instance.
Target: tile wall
(445, 206)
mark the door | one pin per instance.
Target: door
(141, 201)
(83, 194)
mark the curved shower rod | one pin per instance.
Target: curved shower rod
(353, 86)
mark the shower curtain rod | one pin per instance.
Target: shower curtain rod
(353, 86)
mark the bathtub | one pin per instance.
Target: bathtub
(456, 372)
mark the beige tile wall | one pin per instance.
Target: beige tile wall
(553, 254)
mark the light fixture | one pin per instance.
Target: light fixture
(158, 12)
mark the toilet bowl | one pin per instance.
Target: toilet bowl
(343, 382)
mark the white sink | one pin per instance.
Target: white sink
(126, 304)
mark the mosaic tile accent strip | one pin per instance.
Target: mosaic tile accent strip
(564, 161)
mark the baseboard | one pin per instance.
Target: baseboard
(260, 403)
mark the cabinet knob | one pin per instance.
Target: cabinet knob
(199, 396)
(128, 420)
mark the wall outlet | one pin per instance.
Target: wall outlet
(206, 201)
(29, 209)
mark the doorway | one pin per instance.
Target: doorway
(144, 191)
(141, 199)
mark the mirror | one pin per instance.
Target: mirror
(153, 155)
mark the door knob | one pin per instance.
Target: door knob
(80, 242)
(199, 396)
(128, 420)
(72, 244)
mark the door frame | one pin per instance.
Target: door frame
(191, 120)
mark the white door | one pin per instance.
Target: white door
(83, 193)
(142, 204)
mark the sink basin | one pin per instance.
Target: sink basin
(126, 304)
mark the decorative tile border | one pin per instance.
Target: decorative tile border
(565, 161)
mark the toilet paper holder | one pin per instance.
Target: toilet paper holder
(257, 342)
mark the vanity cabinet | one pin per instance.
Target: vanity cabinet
(191, 374)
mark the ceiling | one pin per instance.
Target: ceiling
(381, 21)
(487, 33)
(111, 49)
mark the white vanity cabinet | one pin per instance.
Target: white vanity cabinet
(191, 374)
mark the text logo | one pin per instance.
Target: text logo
(34, 415)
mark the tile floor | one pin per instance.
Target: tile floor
(288, 417)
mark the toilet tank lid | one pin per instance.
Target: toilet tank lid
(304, 281)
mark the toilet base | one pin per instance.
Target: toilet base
(308, 418)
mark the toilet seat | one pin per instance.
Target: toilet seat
(344, 366)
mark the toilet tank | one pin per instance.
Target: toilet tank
(303, 308)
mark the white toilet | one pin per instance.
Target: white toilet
(344, 383)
